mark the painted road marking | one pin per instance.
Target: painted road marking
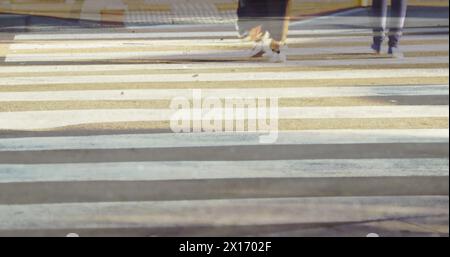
(168, 94)
(213, 77)
(162, 140)
(201, 54)
(53, 119)
(186, 170)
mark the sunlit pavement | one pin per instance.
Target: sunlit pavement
(86, 145)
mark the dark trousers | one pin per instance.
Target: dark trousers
(251, 13)
(394, 23)
(270, 14)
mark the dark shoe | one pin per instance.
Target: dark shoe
(376, 47)
(395, 52)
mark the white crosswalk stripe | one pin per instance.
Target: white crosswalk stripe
(52, 119)
(77, 44)
(219, 139)
(194, 54)
(87, 145)
(167, 94)
(185, 170)
(37, 70)
(197, 34)
(220, 77)
(242, 212)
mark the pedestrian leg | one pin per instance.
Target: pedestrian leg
(379, 20)
(251, 16)
(278, 25)
(278, 20)
(397, 21)
(242, 21)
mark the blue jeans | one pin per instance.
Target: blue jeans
(393, 25)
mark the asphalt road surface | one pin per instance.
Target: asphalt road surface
(86, 147)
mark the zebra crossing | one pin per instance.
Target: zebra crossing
(86, 145)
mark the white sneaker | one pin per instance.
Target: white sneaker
(266, 42)
(257, 50)
(274, 56)
(278, 57)
(266, 36)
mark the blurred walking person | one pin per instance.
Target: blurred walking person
(393, 25)
(265, 22)
(251, 14)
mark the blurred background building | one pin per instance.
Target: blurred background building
(168, 11)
